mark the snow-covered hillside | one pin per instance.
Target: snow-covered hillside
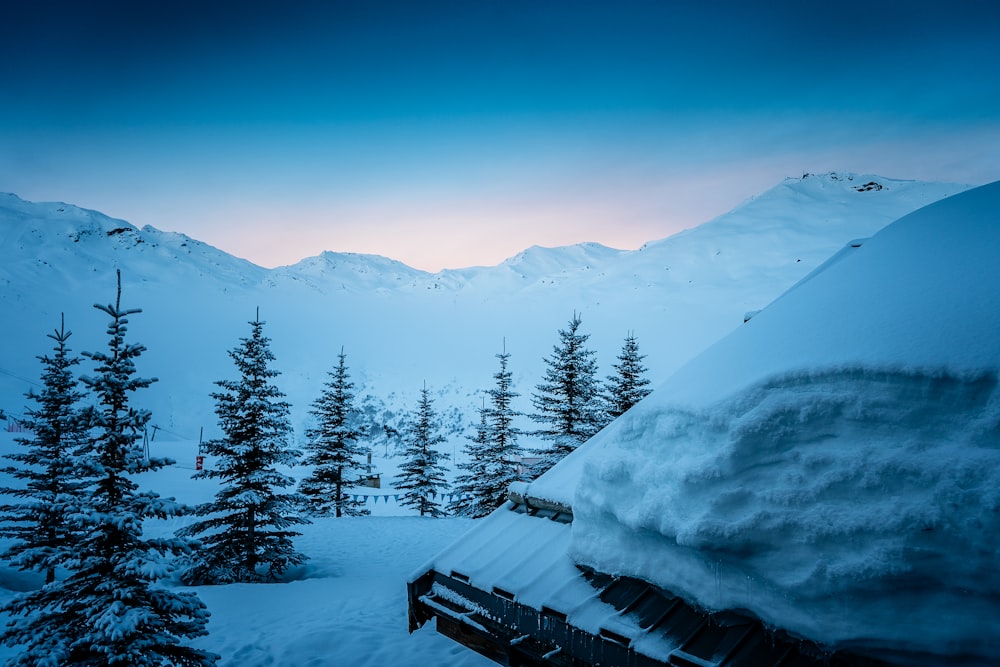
(833, 466)
(400, 326)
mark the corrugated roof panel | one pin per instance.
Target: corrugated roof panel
(518, 597)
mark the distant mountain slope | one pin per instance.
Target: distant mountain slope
(60, 235)
(400, 326)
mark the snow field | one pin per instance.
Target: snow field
(350, 609)
(345, 606)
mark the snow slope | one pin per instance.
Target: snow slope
(400, 326)
(833, 465)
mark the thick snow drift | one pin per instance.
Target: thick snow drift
(833, 466)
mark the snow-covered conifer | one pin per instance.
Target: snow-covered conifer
(568, 399)
(109, 609)
(494, 455)
(49, 483)
(333, 448)
(247, 536)
(628, 385)
(422, 474)
(467, 484)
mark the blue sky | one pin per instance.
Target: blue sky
(447, 134)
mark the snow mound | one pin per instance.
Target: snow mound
(539, 260)
(350, 271)
(833, 466)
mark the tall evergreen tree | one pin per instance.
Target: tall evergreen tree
(109, 610)
(494, 454)
(247, 536)
(628, 385)
(422, 474)
(46, 468)
(567, 401)
(333, 448)
(467, 484)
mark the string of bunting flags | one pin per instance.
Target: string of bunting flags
(450, 497)
(14, 426)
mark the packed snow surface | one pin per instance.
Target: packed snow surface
(833, 465)
(345, 606)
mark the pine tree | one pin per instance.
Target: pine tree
(50, 485)
(467, 485)
(494, 455)
(422, 474)
(568, 399)
(109, 610)
(628, 385)
(333, 449)
(247, 537)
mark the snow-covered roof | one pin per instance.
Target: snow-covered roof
(509, 589)
(834, 464)
(921, 293)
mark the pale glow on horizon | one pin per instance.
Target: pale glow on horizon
(432, 230)
(462, 135)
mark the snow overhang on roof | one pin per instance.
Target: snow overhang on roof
(831, 466)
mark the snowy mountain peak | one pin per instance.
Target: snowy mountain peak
(24, 218)
(349, 271)
(846, 181)
(539, 260)
(36, 235)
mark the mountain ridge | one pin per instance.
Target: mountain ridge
(401, 326)
(554, 259)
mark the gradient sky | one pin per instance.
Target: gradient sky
(450, 134)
